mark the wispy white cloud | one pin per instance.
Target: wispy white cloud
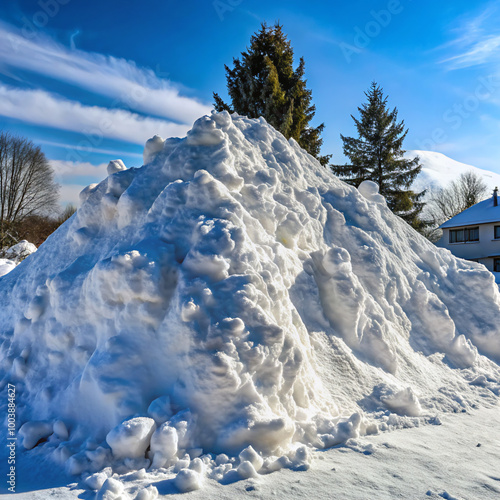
(480, 52)
(68, 170)
(87, 149)
(128, 85)
(41, 108)
(74, 176)
(476, 41)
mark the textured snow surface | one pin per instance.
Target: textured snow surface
(231, 305)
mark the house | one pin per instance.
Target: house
(474, 234)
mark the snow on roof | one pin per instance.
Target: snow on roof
(483, 212)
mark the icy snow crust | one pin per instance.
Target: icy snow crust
(231, 304)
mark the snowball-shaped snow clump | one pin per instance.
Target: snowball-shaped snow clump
(130, 439)
(369, 190)
(188, 480)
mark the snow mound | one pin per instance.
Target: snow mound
(19, 251)
(231, 304)
(15, 254)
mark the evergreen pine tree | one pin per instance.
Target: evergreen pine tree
(377, 155)
(264, 83)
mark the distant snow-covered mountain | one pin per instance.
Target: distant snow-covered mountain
(438, 171)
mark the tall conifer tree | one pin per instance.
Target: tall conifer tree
(377, 155)
(264, 83)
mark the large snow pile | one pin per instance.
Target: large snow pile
(230, 305)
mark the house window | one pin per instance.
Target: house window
(464, 235)
(497, 232)
(496, 265)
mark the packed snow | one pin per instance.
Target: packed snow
(229, 308)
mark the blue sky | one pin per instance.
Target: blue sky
(92, 81)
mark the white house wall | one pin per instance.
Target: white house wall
(481, 250)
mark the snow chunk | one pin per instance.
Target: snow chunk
(188, 480)
(369, 190)
(152, 147)
(96, 481)
(160, 409)
(205, 133)
(60, 430)
(131, 438)
(164, 444)
(32, 432)
(480, 381)
(149, 493)
(112, 489)
(250, 455)
(116, 166)
(86, 192)
(403, 402)
(246, 470)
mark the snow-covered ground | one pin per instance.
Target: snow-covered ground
(230, 310)
(457, 459)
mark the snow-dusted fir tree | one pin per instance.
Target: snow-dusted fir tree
(377, 155)
(264, 83)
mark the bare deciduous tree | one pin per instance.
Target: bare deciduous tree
(459, 195)
(27, 185)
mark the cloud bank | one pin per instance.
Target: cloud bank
(139, 89)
